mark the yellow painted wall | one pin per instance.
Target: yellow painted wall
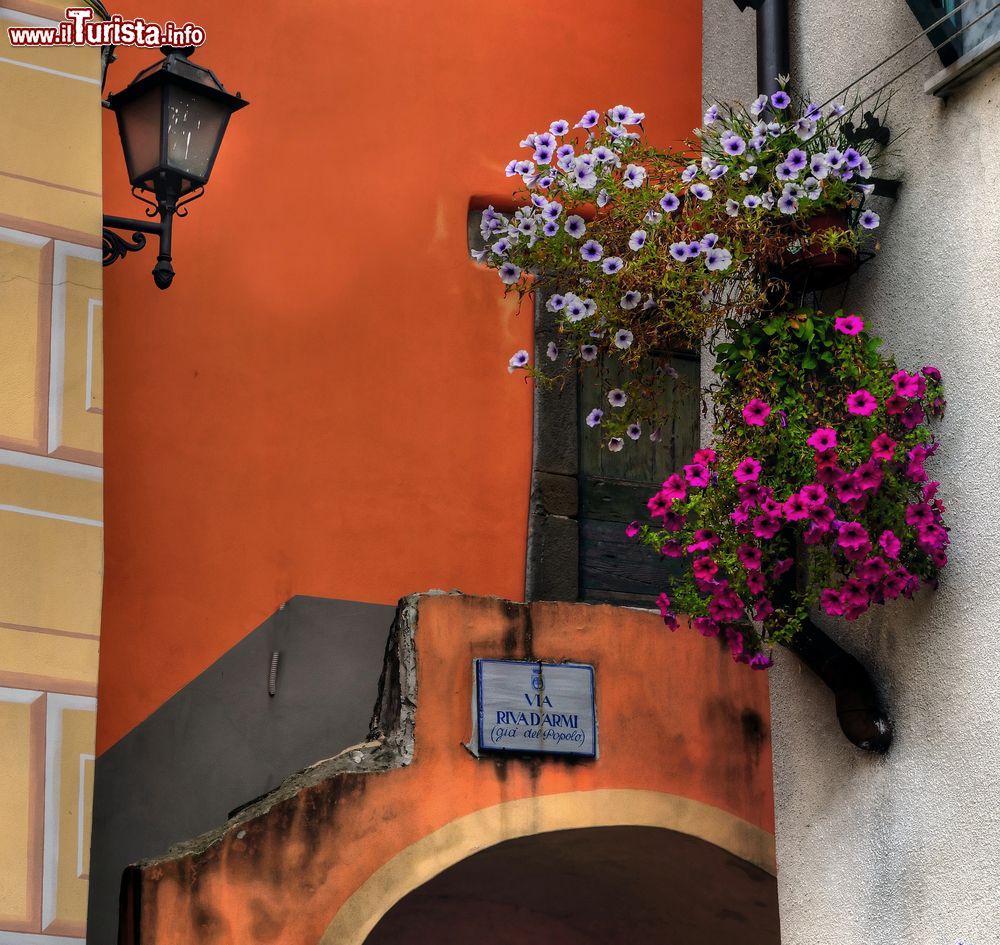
(51, 532)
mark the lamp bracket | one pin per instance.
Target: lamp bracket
(189, 198)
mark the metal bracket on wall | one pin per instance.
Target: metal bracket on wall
(272, 675)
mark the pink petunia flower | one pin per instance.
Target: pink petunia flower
(760, 661)
(883, 447)
(674, 487)
(704, 568)
(932, 372)
(890, 544)
(825, 438)
(704, 540)
(919, 514)
(763, 610)
(706, 457)
(756, 413)
(766, 527)
(755, 582)
(823, 517)
(872, 570)
(913, 416)
(706, 626)
(867, 477)
(852, 535)
(672, 548)
(931, 538)
(663, 602)
(813, 494)
(747, 471)
(849, 325)
(830, 601)
(909, 385)
(862, 403)
(632, 529)
(749, 556)
(781, 567)
(674, 521)
(696, 474)
(814, 535)
(795, 508)
(659, 505)
(831, 475)
(895, 405)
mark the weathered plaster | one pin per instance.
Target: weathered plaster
(412, 801)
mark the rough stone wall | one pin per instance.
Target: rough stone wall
(906, 848)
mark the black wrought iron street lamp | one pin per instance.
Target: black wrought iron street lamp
(171, 118)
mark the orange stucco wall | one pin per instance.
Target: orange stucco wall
(674, 716)
(319, 404)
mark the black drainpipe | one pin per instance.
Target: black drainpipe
(859, 709)
(772, 44)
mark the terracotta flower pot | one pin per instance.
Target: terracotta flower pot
(814, 269)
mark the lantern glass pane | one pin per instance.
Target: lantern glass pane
(139, 125)
(195, 125)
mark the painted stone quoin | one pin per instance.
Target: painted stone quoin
(410, 837)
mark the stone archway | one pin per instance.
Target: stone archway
(592, 886)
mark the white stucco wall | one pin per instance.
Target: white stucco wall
(905, 849)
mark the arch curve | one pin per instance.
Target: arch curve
(490, 829)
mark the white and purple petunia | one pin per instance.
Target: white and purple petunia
(637, 240)
(596, 415)
(509, 273)
(759, 104)
(615, 444)
(552, 351)
(805, 128)
(630, 299)
(732, 208)
(611, 265)
(687, 175)
(717, 259)
(592, 251)
(716, 172)
(589, 353)
(589, 120)
(679, 251)
(616, 397)
(633, 176)
(751, 202)
(634, 431)
(555, 302)
(869, 220)
(787, 204)
(701, 191)
(624, 338)
(781, 99)
(575, 226)
(669, 203)
(559, 127)
(517, 360)
(733, 144)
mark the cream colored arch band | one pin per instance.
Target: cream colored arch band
(461, 838)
